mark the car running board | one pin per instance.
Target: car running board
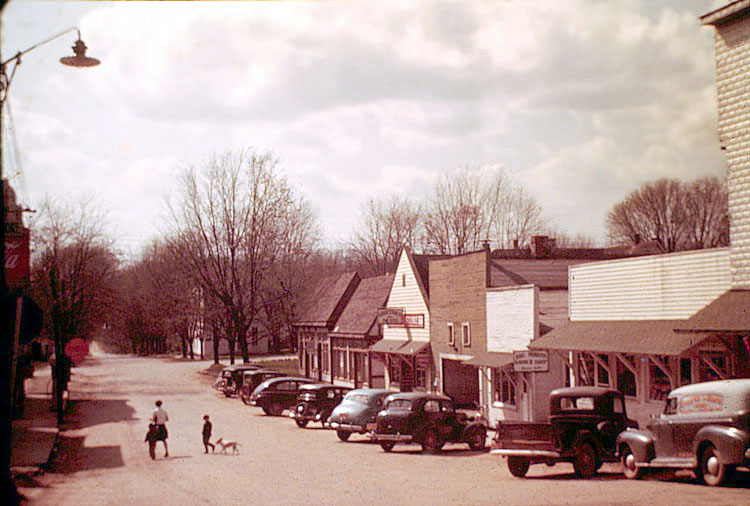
(680, 463)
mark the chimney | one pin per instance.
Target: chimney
(487, 264)
(540, 246)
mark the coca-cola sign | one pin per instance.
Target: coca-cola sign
(17, 259)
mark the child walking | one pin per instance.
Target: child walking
(206, 434)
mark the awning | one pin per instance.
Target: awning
(650, 337)
(496, 360)
(402, 346)
(729, 313)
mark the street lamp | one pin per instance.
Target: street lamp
(8, 346)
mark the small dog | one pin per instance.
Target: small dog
(228, 444)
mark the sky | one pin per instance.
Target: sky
(580, 101)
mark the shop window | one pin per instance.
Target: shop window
(659, 385)
(602, 373)
(626, 380)
(719, 361)
(451, 335)
(324, 358)
(421, 378)
(394, 371)
(466, 334)
(686, 371)
(504, 389)
(586, 370)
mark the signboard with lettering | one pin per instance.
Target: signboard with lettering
(390, 316)
(414, 320)
(531, 361)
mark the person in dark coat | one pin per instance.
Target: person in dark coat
(207, 433)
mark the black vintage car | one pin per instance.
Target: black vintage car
(704, 427)
(277, 394)
(231, 377)
(582, 429)
(251, 379)
(315, 402)
(430, 420)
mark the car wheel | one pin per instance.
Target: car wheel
(478, 439)
(585, 463)
(627, 460)
(276, 409)
(387, 445)
(301, 423)
(431, 441)
(266, 410)
(710, 469)
(518, 466)
(343, 435)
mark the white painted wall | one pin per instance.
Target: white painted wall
(410, 299)
(512, 318)
(670, 286)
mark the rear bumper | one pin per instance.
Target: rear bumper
(508, 452)
(348, 427)
(394, 438)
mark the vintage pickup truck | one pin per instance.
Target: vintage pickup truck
(704, 427)
(582, 429)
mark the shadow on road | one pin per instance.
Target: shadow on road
(89, 412)
(72, 456)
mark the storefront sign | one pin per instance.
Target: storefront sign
(17, 255)
(390, 316)
(414, 320)
(530, 361)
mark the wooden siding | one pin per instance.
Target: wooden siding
(553, 309)
(512, 318)
(658, 287)
(409, 298)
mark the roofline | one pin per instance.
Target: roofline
(417, 276)
(727, 13)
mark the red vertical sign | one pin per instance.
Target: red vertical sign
(17, 259)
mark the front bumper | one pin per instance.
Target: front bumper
(352, 427)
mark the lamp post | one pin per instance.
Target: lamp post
(7, 345)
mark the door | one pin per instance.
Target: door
(461, 383)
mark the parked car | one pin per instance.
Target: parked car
(582, 429)
(252, 378)
(315, 402)
(277, 394)
(357, 412)
(704, 427)
(430, 420)
(231, 377)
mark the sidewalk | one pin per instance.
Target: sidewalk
(34, 435)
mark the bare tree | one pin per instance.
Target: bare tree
(386, 225)
(519, 216)
(678, 216)
(231, 217)
(460, 212)
(707, 211)
(73, 273)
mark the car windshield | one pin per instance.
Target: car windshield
(399, 404)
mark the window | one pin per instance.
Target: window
(403, 280)
(577, 403)
(686, 371)
(420, 381)
(626, 381)
(602, 373)
(466, 334)
(670, 408)
(504, 388)
(659, 385)
(618, 407)
(710, 362)
(432, 406)
(451, 335)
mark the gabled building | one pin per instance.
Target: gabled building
(318, 318)
(405, 347)
(355, 331)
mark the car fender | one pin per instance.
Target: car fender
(641, 443)
(729, 441)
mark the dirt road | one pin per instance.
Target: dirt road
(103, 459)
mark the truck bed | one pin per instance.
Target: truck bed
(525, 435)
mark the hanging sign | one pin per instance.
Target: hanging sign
(531, 361)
